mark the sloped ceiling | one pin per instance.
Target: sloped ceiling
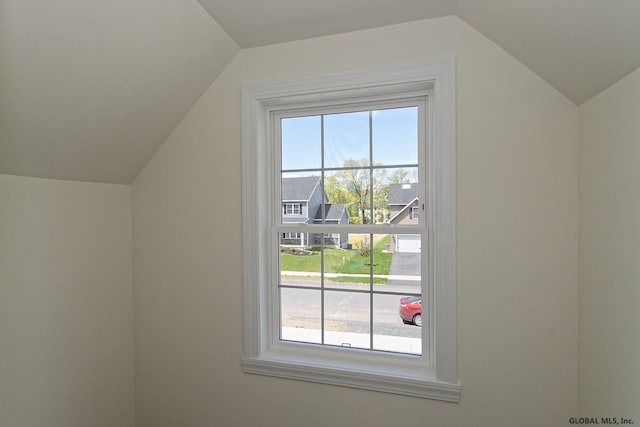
(579, 46)
(89, 90)
(261, 22)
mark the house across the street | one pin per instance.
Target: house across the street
(304, 201)
(404, 208)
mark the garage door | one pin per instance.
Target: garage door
(408, 243)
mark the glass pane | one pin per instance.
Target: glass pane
(395, 136)
(350, 191)
(405, 247)
(348, 266)
(402, 197)
(302, 196)
(394, 323)
(382, 261)
(299, 263)
(393, 190)
(401, 255)
(301, 143)
(347, 319)
(300, 315)
(398, 257)
(346, 139)
(300, 309)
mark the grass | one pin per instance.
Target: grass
(345, 261)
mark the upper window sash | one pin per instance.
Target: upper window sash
(419, 100)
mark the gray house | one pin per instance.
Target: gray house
(304, 201)
(404, 208)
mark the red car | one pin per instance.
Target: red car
(411, 310)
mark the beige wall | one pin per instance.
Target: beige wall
(517, 250)
(610, 252)
(405, 217)
(66, 317)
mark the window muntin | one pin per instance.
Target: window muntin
(348, 271)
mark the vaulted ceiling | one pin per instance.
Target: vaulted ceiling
(89, 90)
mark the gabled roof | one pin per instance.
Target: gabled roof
(299, 188)
(401, 211)
(403, 194)
(332, 212)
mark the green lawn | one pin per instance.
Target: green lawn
(346, 261)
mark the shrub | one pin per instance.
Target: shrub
(363, 246)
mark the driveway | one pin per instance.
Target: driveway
(404, 264)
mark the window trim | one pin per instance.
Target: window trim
(394, 374)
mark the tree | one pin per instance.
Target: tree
(353, 186)
(403, 176)
(381, 198)
(357, 183)
(336, 191)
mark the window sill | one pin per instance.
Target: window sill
(421, 384)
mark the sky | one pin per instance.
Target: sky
(346, 136)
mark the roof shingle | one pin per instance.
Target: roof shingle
(403, 194)
(332, 212)
(299, 188)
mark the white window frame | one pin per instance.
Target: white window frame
(432, 375)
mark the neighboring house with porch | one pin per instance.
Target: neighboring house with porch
(404, 208)
(304, 201)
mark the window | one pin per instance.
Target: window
(347, 299)
(291, 235)
(341, 142)
(293, 208)
(415, 212)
